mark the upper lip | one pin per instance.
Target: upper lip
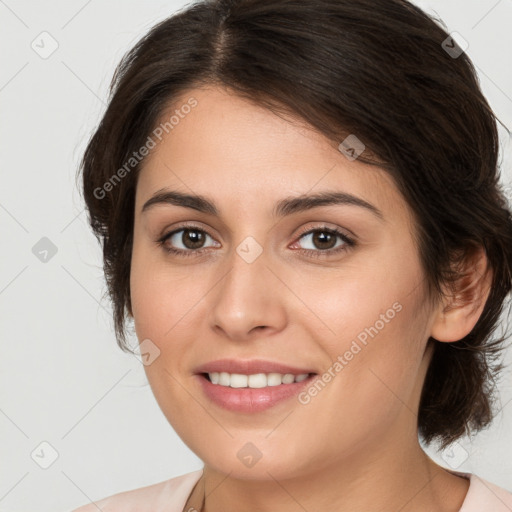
(249, 367)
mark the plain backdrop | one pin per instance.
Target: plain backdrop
(77, 418)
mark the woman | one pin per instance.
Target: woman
(299, 208)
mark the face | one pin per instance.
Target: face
(275, 285)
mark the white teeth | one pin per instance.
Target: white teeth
(274, 379)
(238, 380)
(288, 378)
(224, 379)
(257, 380)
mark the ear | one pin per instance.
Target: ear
(460, 309)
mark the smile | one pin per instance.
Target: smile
(254, 381)
(254, 393)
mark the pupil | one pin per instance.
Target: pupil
(320, 239)
(192, 239)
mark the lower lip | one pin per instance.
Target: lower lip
(251, 399)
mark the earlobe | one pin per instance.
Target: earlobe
(464, 302)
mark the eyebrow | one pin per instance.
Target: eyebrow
(284, 207)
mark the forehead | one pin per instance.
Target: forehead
(240, 153)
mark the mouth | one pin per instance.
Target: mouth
(251, 386)
(255, 380)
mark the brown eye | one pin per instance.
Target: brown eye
(192, 238)
(186, 240)
(325, 240)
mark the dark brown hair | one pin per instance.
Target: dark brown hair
(381, 70)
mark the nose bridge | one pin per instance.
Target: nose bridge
(243, 301)
(241, 286)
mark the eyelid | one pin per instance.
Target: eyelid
(348, 241)
(182, 227)
(328, 227)
(166, 232)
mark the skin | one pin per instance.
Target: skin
(354, 446)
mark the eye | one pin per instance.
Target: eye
(186, 241)
(190, 240)
(323, 241)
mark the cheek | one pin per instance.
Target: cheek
(375, 340)
(162, 304)
(369, 385)
(159, 300)
(378, 301)
(169, 305)
(162, 296)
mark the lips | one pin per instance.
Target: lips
(249, 367)
(250, 399)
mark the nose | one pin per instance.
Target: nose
(249, 300)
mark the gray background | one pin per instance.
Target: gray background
(63, 379)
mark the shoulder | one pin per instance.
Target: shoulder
(169, 496)
(484, 495)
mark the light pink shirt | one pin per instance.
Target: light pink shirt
(171, 496)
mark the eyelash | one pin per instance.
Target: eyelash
(348, 242)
